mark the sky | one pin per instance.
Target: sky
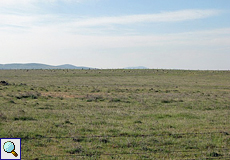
(163, 34)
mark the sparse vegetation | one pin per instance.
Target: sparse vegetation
(114, 114)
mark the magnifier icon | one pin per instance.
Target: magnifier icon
(9, 147)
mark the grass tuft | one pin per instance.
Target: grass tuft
(24, 119)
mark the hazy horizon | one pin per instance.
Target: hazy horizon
(91, 67)
(177, 34)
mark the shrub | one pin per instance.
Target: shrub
(24, 118)
(2, 116)
(76, 150)
(32, 95)
(167, 101)
(115, 100)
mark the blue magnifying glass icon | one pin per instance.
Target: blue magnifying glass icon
(9, 147)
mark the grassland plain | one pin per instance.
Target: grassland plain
(117, 114)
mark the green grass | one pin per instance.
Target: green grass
(113, 114)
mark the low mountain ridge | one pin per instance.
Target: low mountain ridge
(46, 66)
(138, 67)
(39, 66)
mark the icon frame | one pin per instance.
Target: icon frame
(17, 149)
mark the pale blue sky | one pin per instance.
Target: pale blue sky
(169, 34)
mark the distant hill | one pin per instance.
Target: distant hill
(138, 67)
(45, 66)
(39, 66)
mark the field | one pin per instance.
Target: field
(117, 114)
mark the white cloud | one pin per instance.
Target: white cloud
(23, 2)
(26, 20)
(55, 39)
(15, 20)
(174, 16)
